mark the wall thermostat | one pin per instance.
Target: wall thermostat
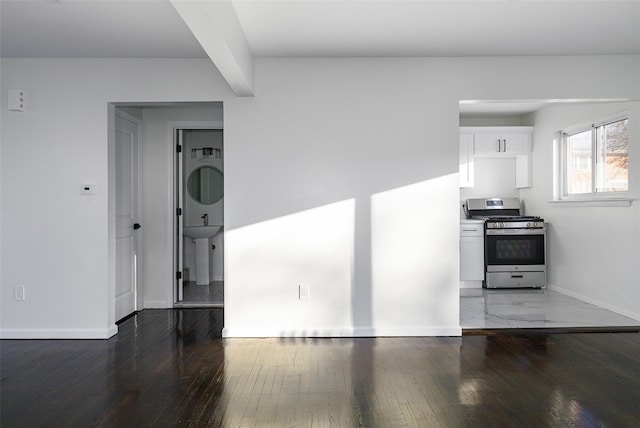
(88, 189)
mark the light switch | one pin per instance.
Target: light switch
(16, 99)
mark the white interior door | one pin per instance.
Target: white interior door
(126, 148)
(179, 217)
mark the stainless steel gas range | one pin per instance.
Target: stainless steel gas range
(515, 247)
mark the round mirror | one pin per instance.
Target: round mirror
(205, 185)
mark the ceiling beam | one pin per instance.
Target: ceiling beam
(217, 28)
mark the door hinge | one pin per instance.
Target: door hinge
(179, 211)
(178, 275)
(179, 148)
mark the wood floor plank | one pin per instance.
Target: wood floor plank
(172, 368)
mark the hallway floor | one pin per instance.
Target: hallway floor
(202, 295)
(532, 308)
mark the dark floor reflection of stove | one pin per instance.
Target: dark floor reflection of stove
(203, 295)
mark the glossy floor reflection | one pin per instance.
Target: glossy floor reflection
(171, 368)
(532, 308)
(203, 295)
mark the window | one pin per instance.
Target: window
(595, 160)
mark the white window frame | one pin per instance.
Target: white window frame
(561, 197)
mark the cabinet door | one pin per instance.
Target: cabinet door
(466, 160)
(488, 145)
(516, 144)
(502, 145)
(471, 258)
(523, 171)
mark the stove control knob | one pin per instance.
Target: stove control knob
(530, 224)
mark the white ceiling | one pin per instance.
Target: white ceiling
(94, 29)
(440, 28)
(311, 28)
(152, 28)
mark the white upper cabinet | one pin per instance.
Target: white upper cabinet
(506, 142)
(496, 142)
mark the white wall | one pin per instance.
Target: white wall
(341, 198)
(340, 173)
(593, 252)
(55, 241)
(495, 120)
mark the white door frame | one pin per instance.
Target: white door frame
(173, 127)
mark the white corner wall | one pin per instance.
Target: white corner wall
(593, 252)
(340, 174)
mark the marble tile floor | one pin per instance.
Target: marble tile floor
(194, 295)
(532, 308)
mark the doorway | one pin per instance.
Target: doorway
(199, 231)
(155, 258)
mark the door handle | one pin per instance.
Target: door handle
(136, 226)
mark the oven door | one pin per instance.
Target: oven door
(515, 249)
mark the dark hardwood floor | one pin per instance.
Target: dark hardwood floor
(171, 368)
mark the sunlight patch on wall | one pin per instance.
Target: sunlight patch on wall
(267, 262)
(414, 254)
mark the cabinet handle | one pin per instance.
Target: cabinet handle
(504, 146)
(499, 150)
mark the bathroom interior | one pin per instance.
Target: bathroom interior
(203, 211)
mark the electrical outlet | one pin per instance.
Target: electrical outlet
(18, 293)
(303, 291)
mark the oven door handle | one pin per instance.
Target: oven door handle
(537, 231)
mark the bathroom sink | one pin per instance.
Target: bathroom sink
(199, 232)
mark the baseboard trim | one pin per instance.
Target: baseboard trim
(471, 284)
(157, 304)
(62, 333)
(612, 308)
(230, 332)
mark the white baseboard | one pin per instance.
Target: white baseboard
(612, 308)
(62, 333)
(229, 332)
(471, 284)
(157, 304)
